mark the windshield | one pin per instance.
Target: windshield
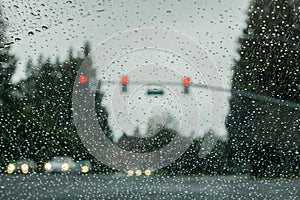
(141, 99)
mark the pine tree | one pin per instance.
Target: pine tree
(8, 122)
(48, 109)
(260, 132)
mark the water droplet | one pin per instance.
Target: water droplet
(8, 44)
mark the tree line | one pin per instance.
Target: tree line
(264, 138)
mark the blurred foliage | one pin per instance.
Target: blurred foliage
(37, 120)
(262, 135)
(8, 122)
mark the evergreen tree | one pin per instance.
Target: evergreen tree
(47, 106)
(8, 121)
(262, 133)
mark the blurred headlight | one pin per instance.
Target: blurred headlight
(65, 167)
(147, 172)
(85, 169)
(11, 168)
(130, 172)
(48, 166)
(25, 168)
(138, 172)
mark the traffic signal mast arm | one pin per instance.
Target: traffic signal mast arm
(187, 83)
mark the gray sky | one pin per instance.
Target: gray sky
(58, 26)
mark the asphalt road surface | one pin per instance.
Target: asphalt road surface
(93, 186)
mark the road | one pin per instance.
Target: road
(93, 186)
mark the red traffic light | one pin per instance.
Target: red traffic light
(124, 80)
(83, 79)
(186, 81)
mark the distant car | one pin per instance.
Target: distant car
(23, 166)
(62, 164)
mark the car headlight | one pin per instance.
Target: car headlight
(130, 172)
(25, 168)
(11, 168)
(65, 167)
(85, 169)
(138, 172)
(48, 166)
(147, 172)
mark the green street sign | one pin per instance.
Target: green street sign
(155, 92)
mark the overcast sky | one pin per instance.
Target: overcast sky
(51, 28)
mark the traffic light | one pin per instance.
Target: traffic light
(124, 82)
(83, 79)
(186, 84)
